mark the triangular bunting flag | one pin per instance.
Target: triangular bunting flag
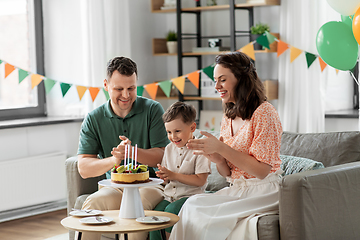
(248, 49)
(22, 75)
(35, 80)
(281, 47)
(166, 87)
(8, 69)
(1, 61)
(140, 90)
(107, 94)
(49, 84)
(294, 53)
(209, 71)
(310, 58)
(322, 64)
(270, 37)
(263, 41)
(337, 71)
(194, 78)
(81, 91)
(94, 92)
(151, 89)
(64, 88)
(179, 83)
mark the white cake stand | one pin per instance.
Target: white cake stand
(131, 205)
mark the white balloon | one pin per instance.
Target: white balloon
(344, 7)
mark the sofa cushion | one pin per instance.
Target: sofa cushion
(331, 148)
(291, 164)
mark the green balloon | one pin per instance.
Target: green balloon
(337, 46)
(347, 20)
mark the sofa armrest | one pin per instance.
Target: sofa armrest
(76, 185)
(321, 204)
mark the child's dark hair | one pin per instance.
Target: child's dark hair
(180, 109)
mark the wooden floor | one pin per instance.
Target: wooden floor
(37, 227)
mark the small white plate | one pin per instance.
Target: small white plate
(96, 220)
(151, 220)
(85, 213)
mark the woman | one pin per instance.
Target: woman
(247, 154)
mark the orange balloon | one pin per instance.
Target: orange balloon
(356, 25)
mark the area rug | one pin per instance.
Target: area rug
(64, 236)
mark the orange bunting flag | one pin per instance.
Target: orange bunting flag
(248, 49)
(179, 83)
(294, 53)
(337, 71)
(194, 78)
(151, 89)
(35, 80)
(94, 92)
(81, 91)
(322, 64)
(8, 69)
(281, 47)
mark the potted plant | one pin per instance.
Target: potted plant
(171, 41)
(256, 31)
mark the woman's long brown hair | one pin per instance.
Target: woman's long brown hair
(249, 91)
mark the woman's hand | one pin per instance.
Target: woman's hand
(205, 146)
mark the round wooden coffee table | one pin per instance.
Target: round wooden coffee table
(120, 225)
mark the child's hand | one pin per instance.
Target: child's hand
(164, 173)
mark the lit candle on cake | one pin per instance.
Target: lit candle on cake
(132, 158)
(125, 155)
(135, 154)
(128, 156)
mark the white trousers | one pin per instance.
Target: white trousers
(231, 213)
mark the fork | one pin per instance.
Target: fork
(155, 218)
(99, 219)
(82, 210)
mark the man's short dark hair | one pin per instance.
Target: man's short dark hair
(125, 66)
(180, 109)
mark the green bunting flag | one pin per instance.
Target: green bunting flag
(270, 37)
(166, 87)
(64, 88)
(1, 61)
(49, 84)
(140, 90)
(310, 58)
(209, 71)
(106, 94)
(22, 75)
(263, 41)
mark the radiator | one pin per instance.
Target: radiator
(32, 181)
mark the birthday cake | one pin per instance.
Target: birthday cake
(129, 174)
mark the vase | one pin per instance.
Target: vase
(172, 47)
(253, 37)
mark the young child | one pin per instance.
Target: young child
(184, 173)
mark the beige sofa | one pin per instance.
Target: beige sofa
(317, 204)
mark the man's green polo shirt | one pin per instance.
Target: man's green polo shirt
(101, 129)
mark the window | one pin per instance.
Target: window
(21, 41)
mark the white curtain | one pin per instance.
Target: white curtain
(302, 90)
(80, 37)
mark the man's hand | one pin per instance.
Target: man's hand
(119, 151)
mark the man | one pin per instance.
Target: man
(125, 117)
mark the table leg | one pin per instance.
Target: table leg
(125, 236)
(163, 234)
(79, 235)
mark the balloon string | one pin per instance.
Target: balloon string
(354, 78)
